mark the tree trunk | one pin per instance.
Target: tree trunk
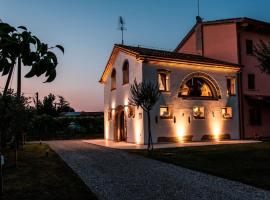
(150, 141)
(8, 80)
(19, 80)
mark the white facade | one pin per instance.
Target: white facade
(182, 123)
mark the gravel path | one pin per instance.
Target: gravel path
(114, 174)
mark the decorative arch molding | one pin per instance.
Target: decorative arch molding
(211, 82)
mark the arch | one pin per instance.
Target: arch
(199, 85)
(120, 124)
(125, 70)
(113, 79)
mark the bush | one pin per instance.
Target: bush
(46, 127)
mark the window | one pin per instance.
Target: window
(113, 79)
(125, 72)
(198, 112)
(164, 80)
(197, 87)
(249, 47)
(251, 81)
(226, 112)
(255, 116)
(231, 86)
(165, 112)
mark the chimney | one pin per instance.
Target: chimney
(199, 35)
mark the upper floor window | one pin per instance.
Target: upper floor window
(251, 81)
(125, 70)
(231, 86)
(199, 85)
(164, 80)
(249, 47)
(113, 79)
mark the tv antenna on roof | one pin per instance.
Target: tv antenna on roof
(198, 5)
(121, 24)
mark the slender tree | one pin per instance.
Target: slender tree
(145, 95)
(262, 52)
(22, 48)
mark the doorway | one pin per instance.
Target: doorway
(120, 130)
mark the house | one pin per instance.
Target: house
(233, 40)
(199, 96)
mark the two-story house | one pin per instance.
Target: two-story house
(199, 96)
(233, 40)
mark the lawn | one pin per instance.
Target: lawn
(40, 177)
(246, 163)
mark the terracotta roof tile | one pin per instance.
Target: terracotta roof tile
(174, 55)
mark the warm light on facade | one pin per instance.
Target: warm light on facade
(180, 133)
(181, 125)
(216, 127)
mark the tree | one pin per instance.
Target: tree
(145, 95)
(53, 106)
(262, 52)
(21, 47)
(63, 105)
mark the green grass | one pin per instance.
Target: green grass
(40, 177)
(246, 163)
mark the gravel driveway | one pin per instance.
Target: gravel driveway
(115, 174)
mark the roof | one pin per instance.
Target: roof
(224, 21)
(148, 54)
(173, 55)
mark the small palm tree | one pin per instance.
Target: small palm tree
(145, 95)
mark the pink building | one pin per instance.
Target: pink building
(233, 40)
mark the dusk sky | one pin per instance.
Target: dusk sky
(88, 29)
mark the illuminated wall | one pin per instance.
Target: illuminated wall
(120, 96)
(183, 124)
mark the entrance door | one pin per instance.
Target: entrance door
(123, 136)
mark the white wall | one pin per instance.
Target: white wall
(197, 127)
(120, 96)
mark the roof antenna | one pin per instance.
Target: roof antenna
(198, 4)
(121, 24)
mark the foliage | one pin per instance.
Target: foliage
(52, 107)
(46, 127)
(19, 44)
(262, 52)
(145, 95)
(14, 116)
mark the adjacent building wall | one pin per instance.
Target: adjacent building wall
(262, 88)
(219, 42)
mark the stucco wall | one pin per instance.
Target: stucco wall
(182, 109)
(120, 96)
(251, 63)
(219, 42)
